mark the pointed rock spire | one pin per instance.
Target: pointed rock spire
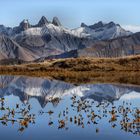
(56, 21)
(24, 25)
(43, 21)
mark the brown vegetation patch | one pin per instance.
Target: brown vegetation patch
(82, 70)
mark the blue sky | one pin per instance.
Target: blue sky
(72, 12)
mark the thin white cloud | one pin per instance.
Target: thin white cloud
(132, 28)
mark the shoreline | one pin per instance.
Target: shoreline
(81, 70)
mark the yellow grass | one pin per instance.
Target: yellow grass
(82, 70)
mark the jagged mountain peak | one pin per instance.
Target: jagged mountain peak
(97, 25)
(24, 25)
(36, 40)
(43, 21)
(56, 21)
(112, 24)
(101, 24)
(101, 31)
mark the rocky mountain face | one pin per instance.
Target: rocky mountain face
(48, 39)
(11, 49)
(119, 47)
(42, 89)
(101, 31)
(42, 22)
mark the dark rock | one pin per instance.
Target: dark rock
(43, 21)
(56, 21)
(97, 25)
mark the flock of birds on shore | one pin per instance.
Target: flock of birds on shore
(80, 112)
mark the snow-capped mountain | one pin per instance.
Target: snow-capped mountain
(42, 89)
(47, 38)
(101, 31)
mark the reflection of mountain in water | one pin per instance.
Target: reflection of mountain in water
(42, 89)
(27, 87)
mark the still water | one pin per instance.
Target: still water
(39, 108)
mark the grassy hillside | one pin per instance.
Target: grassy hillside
(81, 70)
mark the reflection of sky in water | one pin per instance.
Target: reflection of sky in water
(41, 129)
